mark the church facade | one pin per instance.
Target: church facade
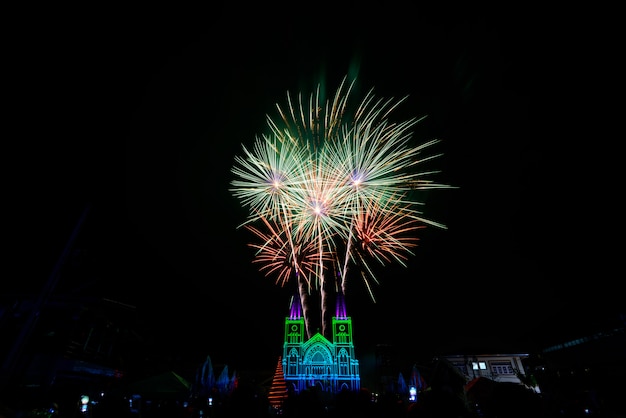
(327, 365)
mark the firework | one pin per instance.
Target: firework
(331, 190)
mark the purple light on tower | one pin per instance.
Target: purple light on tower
(296, 310)
(340, 311)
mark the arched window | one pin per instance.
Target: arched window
(292, 363)
(342, 361)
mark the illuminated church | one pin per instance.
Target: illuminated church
(329, 366)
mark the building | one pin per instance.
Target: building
(330, 366)
(497, 367)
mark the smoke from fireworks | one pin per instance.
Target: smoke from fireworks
(331, 190)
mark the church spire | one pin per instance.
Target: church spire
(295, 311)
(340, 311)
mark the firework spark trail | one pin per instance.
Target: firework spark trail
(267, 175)
(332, 190)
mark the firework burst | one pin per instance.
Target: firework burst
(332, 189)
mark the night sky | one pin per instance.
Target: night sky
(140, 118)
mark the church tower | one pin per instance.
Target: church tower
(347, 364)
(317, 362)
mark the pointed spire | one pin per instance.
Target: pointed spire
(223, 381)
(402, 387)
(340, 311)
(206, 377)
(296, 309)
(416, 378)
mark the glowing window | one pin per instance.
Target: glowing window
(502, 367)
(479, 365)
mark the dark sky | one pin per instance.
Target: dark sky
(141, 118)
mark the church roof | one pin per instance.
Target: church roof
(316, 339)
